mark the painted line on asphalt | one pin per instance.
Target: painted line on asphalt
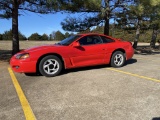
(29, 115)
(135, 75)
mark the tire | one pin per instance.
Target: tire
(118, 59)
(50, 66)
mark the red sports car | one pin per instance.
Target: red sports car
(75, 51)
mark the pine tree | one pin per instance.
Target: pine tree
(13, 8)
(59, 36)
(35, 36)
(154, 15)
(101, 12)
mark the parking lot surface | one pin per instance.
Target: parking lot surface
(93, 93)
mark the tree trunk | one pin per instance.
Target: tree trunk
(106, 27)
(15, 40)
(137, 37)
(106, 18)
(154, 37)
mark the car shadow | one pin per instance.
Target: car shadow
(83, 69)
(33, 74)
(128, 62)
(158, 118)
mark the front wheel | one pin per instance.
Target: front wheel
(50, 66)
(117, 59)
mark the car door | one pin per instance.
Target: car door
(90, 52)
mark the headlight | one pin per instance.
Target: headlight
(22, 56)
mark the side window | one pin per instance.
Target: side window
(106, 40)
(90, 40)
(97, 40)
(85, 41)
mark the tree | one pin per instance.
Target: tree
(1, 37)
(12, 9)
(141, 15)
(34, 36)
(7, 35)
(100, 12)
(21, 36)
(83, 22)
(154, 14)
(154, 35)
(66, 35)
(134, 17)
(44, 37)
(52, 35)
(59, 36)
(146, 15)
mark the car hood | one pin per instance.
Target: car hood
(37, 48)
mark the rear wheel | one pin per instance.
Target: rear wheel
(117, 59)
(50, 66)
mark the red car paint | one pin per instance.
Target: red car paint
(72, 55)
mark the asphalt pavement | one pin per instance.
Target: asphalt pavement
(93, 93)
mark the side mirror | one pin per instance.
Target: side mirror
(76, 44)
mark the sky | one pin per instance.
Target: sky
(31, 23)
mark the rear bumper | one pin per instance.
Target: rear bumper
(129, 54)
(23, 66)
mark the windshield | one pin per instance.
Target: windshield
(69, 40)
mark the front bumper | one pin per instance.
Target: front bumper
(23, 66)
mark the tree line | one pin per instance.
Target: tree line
(55, 35)
(126, 14)
(126, 34)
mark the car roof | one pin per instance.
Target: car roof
(85, 34)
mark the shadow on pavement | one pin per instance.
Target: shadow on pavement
(5, 55)
(146, 50)
(131, 61)
(156, 118)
